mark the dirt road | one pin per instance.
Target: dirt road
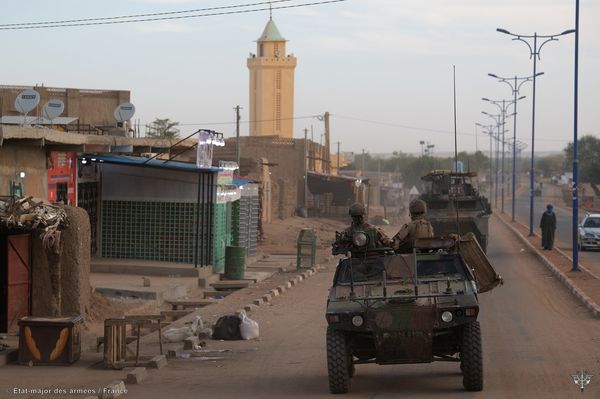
(535, 336)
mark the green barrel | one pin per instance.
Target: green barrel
(235, 262)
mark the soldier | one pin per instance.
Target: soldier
(419, 227)
(378, 238)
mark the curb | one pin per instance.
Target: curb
(280, 290)
(566, 281)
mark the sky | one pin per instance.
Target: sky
(382, 68)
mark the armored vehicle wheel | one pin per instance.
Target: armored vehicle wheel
(471, 360)
(339, 362)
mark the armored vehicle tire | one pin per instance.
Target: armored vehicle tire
(471, 359)
(339, 362)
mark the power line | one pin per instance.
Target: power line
(245, 122)
(113, 22)
(144, 15)
(424, 129)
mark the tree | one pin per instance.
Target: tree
(588, 148)
(164, 129)
(550, 164)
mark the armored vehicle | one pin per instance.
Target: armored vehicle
(455, 206)
(389, 308)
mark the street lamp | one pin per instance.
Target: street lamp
(497, 118)
(575, 232)
(534, 52)
(489, 130)
(516, 87)
(503, 108)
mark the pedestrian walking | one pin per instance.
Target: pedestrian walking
(548, 226)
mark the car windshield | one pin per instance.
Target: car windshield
(370, 269)
(592, 222)
(399, 268)
(440, 267)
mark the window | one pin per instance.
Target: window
(261, 50)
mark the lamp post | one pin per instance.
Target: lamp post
(534, 52)
(503, 108)
(496, 119)
(575, 266)
(515, 88)
(489, 130)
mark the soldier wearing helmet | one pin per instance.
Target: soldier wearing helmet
(377, 237)
(419, 227)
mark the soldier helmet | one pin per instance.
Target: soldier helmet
(357, 209)
(417, 206)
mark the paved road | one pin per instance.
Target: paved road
(535, 335)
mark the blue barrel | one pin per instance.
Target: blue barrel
(235, 262)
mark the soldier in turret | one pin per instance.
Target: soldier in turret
(376, 237)
(419, 227)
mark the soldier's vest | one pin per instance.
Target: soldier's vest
(373, 238)
(420, 228)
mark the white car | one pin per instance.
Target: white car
(589, 232)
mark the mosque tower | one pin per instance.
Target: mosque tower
(271, 86)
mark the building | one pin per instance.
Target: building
(271, 86)
(87, 109)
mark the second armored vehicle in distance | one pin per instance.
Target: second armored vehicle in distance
(454, 205)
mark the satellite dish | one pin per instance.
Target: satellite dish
(27, 100)
(53, 109)
(124, 112)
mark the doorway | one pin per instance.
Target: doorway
(15, 286)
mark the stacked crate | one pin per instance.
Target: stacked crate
(249, 214)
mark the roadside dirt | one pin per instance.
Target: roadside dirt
(280, 237)
(586, 282)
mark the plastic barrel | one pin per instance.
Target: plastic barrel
(235, 262)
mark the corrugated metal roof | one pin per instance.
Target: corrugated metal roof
(271, 33)
(36, 120)
(145, 162)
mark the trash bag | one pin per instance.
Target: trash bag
(227, 328)
(248, 327)
(179, 334)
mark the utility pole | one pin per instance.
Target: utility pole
(338, 157)
(327, 143)
(363, 163)
(306, 168)
(237, 134)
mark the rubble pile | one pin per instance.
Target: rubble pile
(26, 214)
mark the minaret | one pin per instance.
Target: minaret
(271, 86)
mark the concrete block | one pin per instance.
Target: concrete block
(137, 375)
(257, 302)
(173, 353)
(274, 293)
(113, 390)
(158, 362)
(281, 289)
(267, 298)
(287, 285)
(249, 307)
(292, 282)
(190, 343)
